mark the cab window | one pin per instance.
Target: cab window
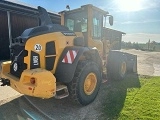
(96, 25)
(77, 22)
(70, 24)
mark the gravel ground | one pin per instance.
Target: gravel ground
(13, 105)
(148, 62)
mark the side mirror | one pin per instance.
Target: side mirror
(111, 20)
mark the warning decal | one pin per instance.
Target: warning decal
(70, 56)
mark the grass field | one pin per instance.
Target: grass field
(133, 99)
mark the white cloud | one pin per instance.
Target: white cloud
(152, 3)
(145, 4)
(14, 1)
(141, 37)
(145, 21)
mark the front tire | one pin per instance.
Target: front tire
(86, 82)
(117, 66)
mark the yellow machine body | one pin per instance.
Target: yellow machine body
(45, 81)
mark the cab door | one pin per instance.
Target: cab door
(95, 36)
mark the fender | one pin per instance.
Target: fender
(66, 68)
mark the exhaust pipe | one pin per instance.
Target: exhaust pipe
(4, 82)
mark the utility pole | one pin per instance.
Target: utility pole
(148, 44)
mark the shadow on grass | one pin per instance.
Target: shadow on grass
(117, 92)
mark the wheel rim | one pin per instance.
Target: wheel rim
(123, 68)
(90, 83)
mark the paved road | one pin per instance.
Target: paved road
(14, 104)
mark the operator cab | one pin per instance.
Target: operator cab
(87, 20)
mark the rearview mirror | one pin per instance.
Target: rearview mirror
(111, 20)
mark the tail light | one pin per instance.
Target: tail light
(32, 80)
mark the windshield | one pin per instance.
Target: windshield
(76, 22)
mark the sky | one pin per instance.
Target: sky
(139, 19)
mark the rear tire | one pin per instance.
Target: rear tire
(86, 82)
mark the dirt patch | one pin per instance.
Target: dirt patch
(148, 63)
(7, 93)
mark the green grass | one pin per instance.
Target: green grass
(129, 102)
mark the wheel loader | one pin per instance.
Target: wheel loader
(53, 60)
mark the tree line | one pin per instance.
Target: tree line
(150, 45)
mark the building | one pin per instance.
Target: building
(114, 36)
(14, 19)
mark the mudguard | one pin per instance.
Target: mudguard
(66, 68)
